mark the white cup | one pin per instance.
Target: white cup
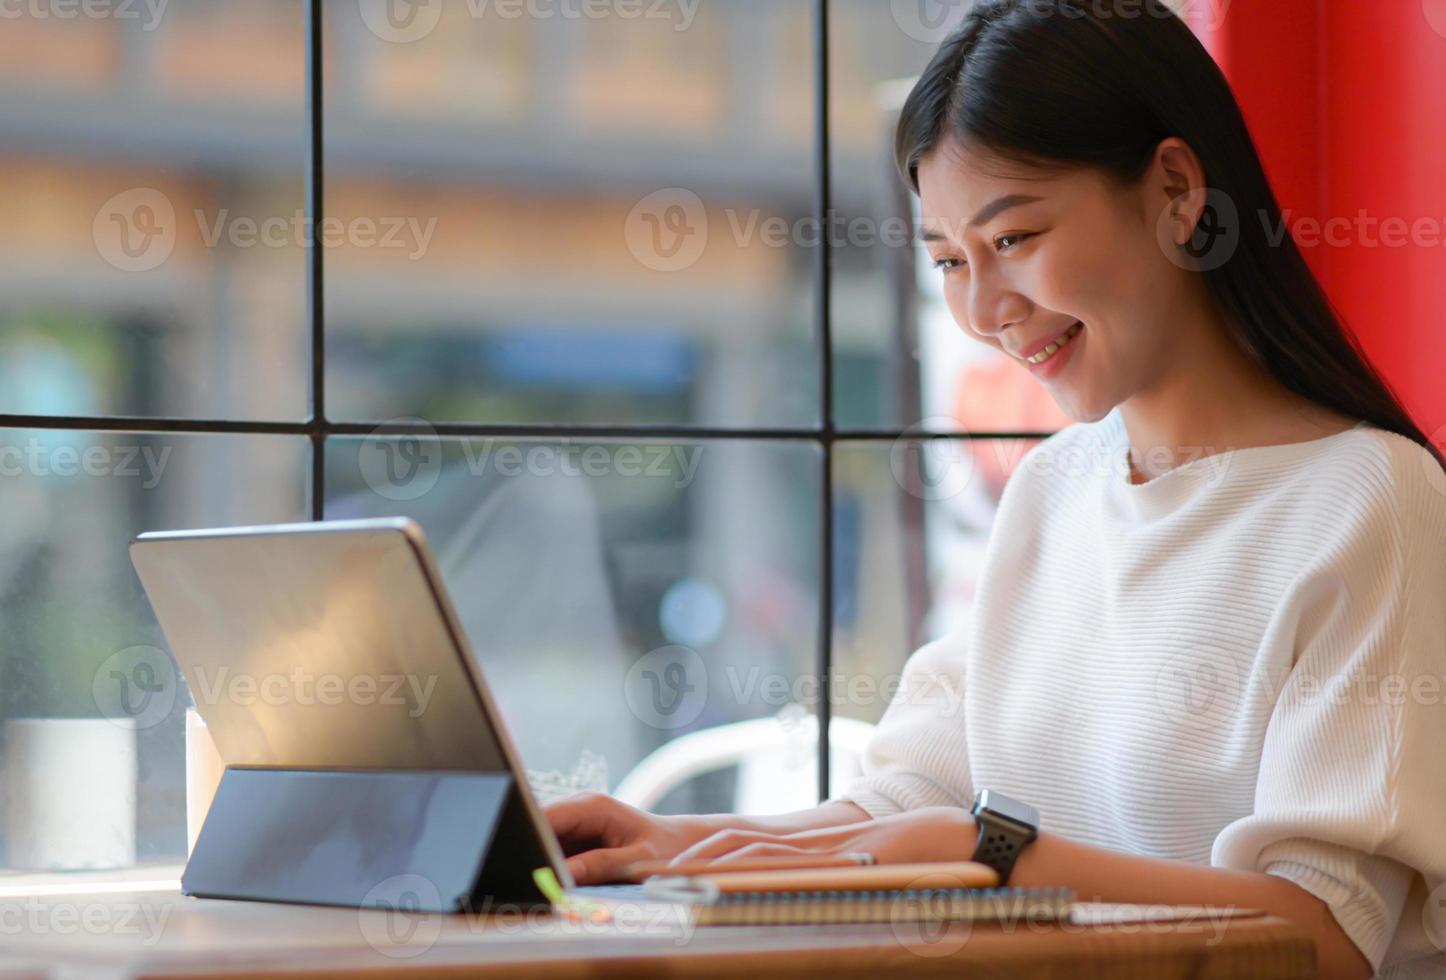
(203, 775)
(70, 801)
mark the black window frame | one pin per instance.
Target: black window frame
(318, 428)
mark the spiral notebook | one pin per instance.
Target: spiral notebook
(698, 902)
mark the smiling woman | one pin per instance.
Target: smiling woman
(1061, 183)
(1244, 518)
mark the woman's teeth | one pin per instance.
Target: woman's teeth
(1053, 348)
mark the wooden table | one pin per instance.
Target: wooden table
(163, 934)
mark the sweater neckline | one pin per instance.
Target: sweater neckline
(1284, 449)
(1162, 494)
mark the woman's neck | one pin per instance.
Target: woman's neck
(1212, 398)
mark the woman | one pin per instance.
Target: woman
(1209, 633)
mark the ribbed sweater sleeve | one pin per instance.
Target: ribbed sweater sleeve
(1241, 662)
(1350, 798)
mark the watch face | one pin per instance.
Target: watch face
(1009, 808)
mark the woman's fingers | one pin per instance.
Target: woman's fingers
(583, 817)
(723, 842)
(602, 866)
(761, 849)
(732, 840)
(826, 838)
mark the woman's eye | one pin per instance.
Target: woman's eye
(1009, 241)
(947, 264)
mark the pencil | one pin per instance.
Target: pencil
(639, 870)
(929, 875)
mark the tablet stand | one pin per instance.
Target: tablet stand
(414, 841)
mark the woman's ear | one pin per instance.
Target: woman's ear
(1177, 182)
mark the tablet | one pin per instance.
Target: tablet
(329, 646)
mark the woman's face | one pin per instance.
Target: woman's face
(1026, 259)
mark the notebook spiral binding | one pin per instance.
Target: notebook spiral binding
(889, 905)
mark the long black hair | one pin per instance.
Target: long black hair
(1061, 84)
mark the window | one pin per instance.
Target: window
(690, 454)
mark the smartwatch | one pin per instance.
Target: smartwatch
(1006, 826)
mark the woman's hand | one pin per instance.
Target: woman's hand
(937, 833)
(600, 834)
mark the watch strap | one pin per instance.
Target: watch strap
(999, 846)
(1006, 826)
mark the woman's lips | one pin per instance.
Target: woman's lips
(1028, 351)
(1055, 362)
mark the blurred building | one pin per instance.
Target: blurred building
(487, 263)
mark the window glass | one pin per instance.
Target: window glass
(150, 230)
(621, 595)
(91, 707)
(564, 213)
(912, 520)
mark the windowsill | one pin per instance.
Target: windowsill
(144, 877)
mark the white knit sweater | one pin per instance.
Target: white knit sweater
(1241, 663)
